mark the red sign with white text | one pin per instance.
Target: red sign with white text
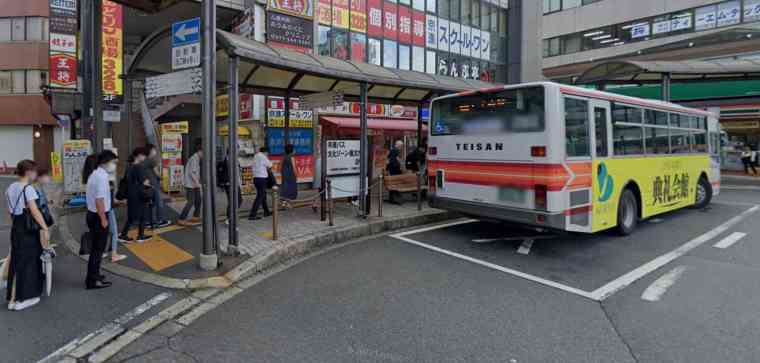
(404, 24)
(390, 21)
(303, 165)
(63, 70)
(418, 28)
(375, 18)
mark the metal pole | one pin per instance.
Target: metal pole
(666, 87)
(330, 202)
(97, 73)
(323, 178)
(86, 119)
(208, 258)
(234, 83)
(419, 190)
(128, 106)
(275, 212)
(419, 126)
(363, 149)
(286, 121)
(381, 185)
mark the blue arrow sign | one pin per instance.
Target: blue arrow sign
(186, 32)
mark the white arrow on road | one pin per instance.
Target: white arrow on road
(184, 31)
(527, 242)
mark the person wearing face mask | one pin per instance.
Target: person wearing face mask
(98, 197)
(113, 227)
(138, 196)
(25, 276)
(152, 171)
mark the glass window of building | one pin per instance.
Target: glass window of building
(577, 141)
(34, 28)
(323, 40)
(751, 10)
(551, 6)
(431, 63)
(571, 44)
(34, 80)
(494, 19)
(476, 14)
(587, 2)
(6, 82)
(418, 5)
(418, 59)
(19, 29)
(465, 12)
(374, 51)
(431, 5)
(569, 4)
(485, 15)
(5, 29)
(503, 22)
(390, 54)
(18, 81)
(340, 44)
(454, 11)
(358, 47)
(404, 57)
(444, 9)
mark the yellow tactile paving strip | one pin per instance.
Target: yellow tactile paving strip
(158, 253)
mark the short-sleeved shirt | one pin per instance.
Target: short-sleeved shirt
(98, 188)
(260, 165)
(15, 200)
(192, 169)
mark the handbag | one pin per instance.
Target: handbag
(271, 181)
(85, 244)
(29, 223)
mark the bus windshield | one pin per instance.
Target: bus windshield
(508, 111)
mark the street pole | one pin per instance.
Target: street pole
(234, 62)
(363, 149)
(86, 119)
(97, 72)
(208, 258)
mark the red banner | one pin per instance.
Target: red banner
(359, 16)
(246, 106)
(404, 24)
(303, 165)
(375, 18)
(63, 70)
(418, 28)
(390, 21)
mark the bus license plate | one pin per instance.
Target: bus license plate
(512, 195)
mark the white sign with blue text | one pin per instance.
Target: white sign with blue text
(186, 44)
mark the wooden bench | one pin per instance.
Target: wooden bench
(403, 183)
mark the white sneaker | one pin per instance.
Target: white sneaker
(11, 306)
(26, 304)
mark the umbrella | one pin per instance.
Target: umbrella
(47, 268)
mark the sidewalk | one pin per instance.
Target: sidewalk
(169, 258)
(739, 180)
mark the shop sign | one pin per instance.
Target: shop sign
(74, 154)
(302, 8)
(290, 31)
(324, 12)
(298, 118)
(63, 70)
(404, 24)
(113, 50)
(69, 5)
(57, 167)
(751, 10)
(639, 30)
(418, 28)
(181, 127)
(304, 168)
(390, 21)
(431, 31)
(222, 105)
(246, 106)
(705, 17)
(340, 14)
(63, 43)
(63, 22)
(374, 18)
(359, 16)
(301, 139)
(343, 157)
(729, 13)
(681, 22)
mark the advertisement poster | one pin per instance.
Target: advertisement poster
(304, 166)
(358, 47)
(298, 118)
(171, 161)
(302, 140)
(113, 51)
(342, 157)
(57, 167)
(302, 8)
(340, 14)
(290, 32)
(74, 154)
(324, 12)
(374, 18)
(359, 16)
(181, 127)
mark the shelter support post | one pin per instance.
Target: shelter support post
(419, 143)
(96, 84)
(209, 259)
(286, 121)
(363, 167)
(666, 77)
(232, 158)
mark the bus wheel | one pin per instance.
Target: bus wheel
(703, 193)
(628, 215)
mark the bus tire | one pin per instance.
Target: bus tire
(628, 213)
(703, 194)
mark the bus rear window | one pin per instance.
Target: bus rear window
(509, 111)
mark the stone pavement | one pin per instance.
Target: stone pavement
(300, 232)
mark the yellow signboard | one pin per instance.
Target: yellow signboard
(113, 48)
(181, 127)
(55, 161)
(740, 125)
(222, 105)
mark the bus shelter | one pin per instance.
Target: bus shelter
(255, 67)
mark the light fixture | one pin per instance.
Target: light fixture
(609, 40)
(593, 33)
(618, 44)
(749, 36)
(691, 44)
(602, 37)
(37, 134)
(638, 52)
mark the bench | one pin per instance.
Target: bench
(403, 183)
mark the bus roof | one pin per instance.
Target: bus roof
(591, 93)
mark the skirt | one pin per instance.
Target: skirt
(25, 277)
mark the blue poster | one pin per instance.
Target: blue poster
(302, 140)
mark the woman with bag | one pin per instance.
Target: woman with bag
(289, 190)
(29, 239)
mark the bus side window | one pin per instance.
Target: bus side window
(576, 128)
(600, 126)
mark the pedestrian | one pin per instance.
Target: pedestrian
(415, 159)
(151, 165)
(261, 169)
(98, 197)
(223, 182)
(113, 226)
(289, 188)
(192, 184)
(139, 195)
(394, 167)
(747, 161)
(29, 239)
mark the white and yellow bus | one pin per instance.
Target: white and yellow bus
(569, 158)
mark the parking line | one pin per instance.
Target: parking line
(510, 271)
(437, 226)
(525, 247)
(658, 288)
(729, 240)
(629, 278)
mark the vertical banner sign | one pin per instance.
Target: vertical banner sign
(340, 14)
(113, 52)
(324, 12)
(390, 21)
(404, 24)
(359, 16)
(375, 19)
(63, 44)
(57, 167)
(431, 32)
(302, 8)
(418, 28)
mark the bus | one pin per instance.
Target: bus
(560, 157)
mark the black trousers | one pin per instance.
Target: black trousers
(748, 164)
(99, 236)
(141, 217)
(261, 196)
(228, 191)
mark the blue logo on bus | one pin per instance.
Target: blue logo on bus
(606, 183)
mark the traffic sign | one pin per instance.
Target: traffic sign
(175, 83)
(186, 32)
(186, 40)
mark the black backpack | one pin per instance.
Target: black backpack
(222, 173)
(123, 191)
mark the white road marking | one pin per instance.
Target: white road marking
(656, 220)
(658, 288)
(630, 277)
(506, 239)
(729, 240)
(437, 226)
(107, 329)
(510, 271)
(525, 247)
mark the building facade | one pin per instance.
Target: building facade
(27, 129)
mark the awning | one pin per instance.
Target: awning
(618, 71)
(386, 124)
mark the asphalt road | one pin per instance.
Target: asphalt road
(565, 299)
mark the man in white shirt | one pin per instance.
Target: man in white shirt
(261, 166)
(98, 205)
(192, 183)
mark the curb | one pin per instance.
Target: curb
(288, 249)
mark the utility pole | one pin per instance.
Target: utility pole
(96, 85)
(209, 258)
